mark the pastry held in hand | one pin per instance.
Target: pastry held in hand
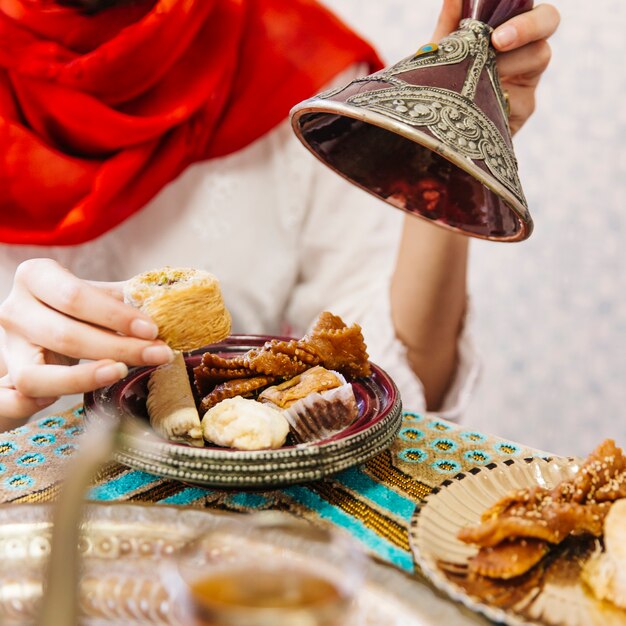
(171, 405)
(186, 304)
(317, 403)
(245, 425)
(605, 573)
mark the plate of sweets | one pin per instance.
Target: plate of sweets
(245, 410)
(531, 541)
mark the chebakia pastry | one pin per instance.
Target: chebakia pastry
(521, 528)
(331, 344)
(186, 304)
(305, 380)
(188, 308)
(605, 572)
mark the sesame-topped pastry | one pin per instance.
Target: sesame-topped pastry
(528, 522)
(317, 403)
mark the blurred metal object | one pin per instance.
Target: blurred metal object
(430, 134)
(129, 576)
(60, 602)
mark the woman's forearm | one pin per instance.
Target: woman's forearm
(428, 300)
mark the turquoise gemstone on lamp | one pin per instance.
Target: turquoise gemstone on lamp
(429, 48)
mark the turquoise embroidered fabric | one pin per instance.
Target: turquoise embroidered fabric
(374, 501)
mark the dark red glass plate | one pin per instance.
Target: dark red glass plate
(380, 415)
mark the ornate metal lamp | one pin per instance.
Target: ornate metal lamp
(430, 134)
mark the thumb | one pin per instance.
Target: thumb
(449, 18)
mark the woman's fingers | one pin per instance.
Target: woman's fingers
(527, 64)
(535, 25)
(32, 383)
(31, 374)
(540, 23)
(523, 105)
(44, 381)
(56, 332)
(14, 405)
(525, 37)
(50, 283)
(51, 308)
(114, 289)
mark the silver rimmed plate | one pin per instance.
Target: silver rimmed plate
(551, 594)
(129, 553)
(379, 419)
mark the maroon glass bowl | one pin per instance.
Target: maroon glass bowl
(378, 421)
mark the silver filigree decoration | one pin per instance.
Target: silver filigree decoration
(454, 120)
(471, 40)
(330, 93)
(456, 47)
(481, 56)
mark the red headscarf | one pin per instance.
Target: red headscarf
(99, 112)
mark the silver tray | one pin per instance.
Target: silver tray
(128, 557)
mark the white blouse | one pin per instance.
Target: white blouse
(287, 237)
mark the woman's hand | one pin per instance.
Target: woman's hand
(50, 321)
(524, 52)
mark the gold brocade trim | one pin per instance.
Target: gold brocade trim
(381, 467)
(382, 525)
(48, 494)
(109, 472)
(158, 492)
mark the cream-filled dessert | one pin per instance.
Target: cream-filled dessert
(245, 424)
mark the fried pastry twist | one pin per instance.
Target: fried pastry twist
(282, 358)
(509, 559)
(330, 343)
(341, 348)
(237, 387)
(543, 517)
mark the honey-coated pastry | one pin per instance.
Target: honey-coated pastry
(171, 405)
(574, 507)
(317, 379)
(551, 521)
(508, 559)
(232, 388)
(330, 343)
(281, 358)
(340, 347)
(186, 305)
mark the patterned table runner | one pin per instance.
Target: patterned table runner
(373, 501)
